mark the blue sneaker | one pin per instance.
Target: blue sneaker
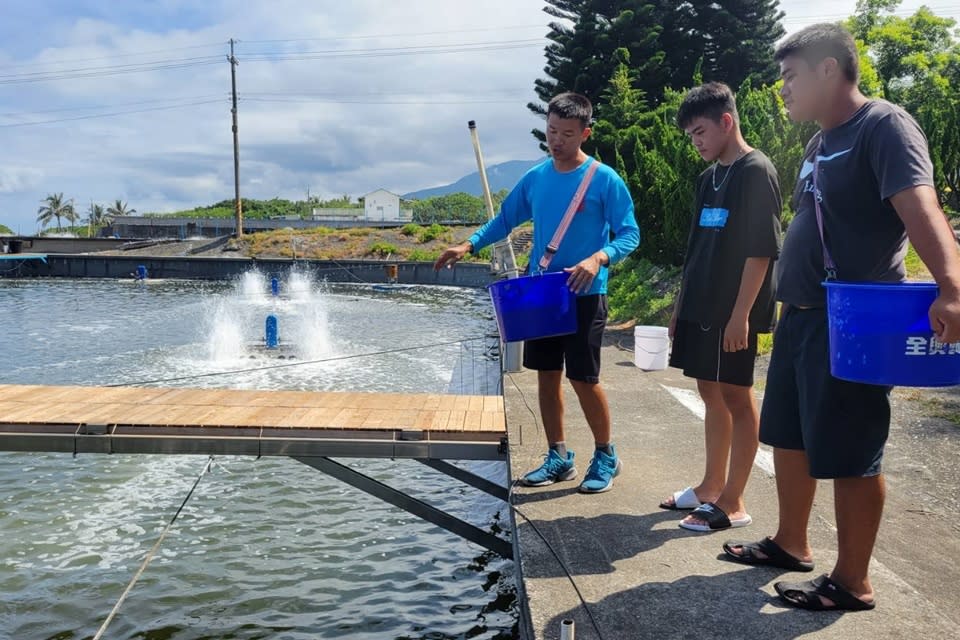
(601, 472)
(553, 469)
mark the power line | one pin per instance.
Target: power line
(110, 57)
(114, 70)
(55, 63)
(114, 113)
(388, 52)
(394, 102)
(263, 56)
(23, 114)
(398, 35)
(841, 16)
(383, 94)
(132, 65)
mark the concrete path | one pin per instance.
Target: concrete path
(643, 577)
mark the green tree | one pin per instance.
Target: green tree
(731, 40)
(767, 126)
(581, 57)
(868, 15)
(453, 207)
(97, 216)
(119, 208)
(661, 167)
(55, 207)
(657, 162)
(916, 61)
(728, 40)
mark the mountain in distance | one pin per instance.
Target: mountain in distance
(501, 176)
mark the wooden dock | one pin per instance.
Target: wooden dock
(310, 427)
(235, 422)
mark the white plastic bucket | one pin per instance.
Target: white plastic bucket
(651, 348)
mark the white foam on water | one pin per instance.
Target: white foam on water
(115, 524)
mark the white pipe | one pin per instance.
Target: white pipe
(487, 197)
(503, 251)
(566, 630)
(504, 259)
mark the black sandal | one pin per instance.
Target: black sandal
(773, 555)
(806, 595)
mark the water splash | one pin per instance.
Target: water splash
(237, 319)
(253, 286)
(306, 317)
(225, 342)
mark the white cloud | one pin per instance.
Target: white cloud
(162, 160)
(167, 159)
(18, 179)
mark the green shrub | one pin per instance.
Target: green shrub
(411, 229)
(382, 249)
(431, 233)
(643, 291)
(423, 255)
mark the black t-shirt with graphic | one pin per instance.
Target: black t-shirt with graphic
(874, 155)
(737, 216)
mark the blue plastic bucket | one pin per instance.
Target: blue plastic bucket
(532, 307)
(880, 334)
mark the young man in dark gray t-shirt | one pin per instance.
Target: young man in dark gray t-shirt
(725, 300)
(874, 184)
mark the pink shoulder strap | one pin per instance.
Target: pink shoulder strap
(561, 231)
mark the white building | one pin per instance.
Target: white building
(381, 205)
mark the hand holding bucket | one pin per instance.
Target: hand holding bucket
(944, 316)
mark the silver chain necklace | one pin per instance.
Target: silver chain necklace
(713, 176)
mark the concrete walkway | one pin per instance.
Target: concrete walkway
(644, 577)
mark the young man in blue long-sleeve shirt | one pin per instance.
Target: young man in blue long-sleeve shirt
(543, 195)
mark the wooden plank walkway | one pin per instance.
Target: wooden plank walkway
(31, 415)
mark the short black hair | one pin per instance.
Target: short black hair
(710, 100)
(820, 41)
(568, 106)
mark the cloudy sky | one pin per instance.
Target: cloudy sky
(102, 99)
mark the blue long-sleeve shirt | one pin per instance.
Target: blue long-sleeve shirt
(543, 195)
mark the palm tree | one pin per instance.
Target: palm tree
(56, 207)
(96, 216)
(119, 208)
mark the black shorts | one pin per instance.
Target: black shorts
(579, 351)
(698, 350)
(842, 426)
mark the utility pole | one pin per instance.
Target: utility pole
(238, 205)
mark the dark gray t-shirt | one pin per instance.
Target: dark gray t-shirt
(874, 155)
(736, 216)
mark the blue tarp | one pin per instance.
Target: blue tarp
(24, 256)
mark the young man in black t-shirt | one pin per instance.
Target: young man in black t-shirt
(868, 172)
(726, 299)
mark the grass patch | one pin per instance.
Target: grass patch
(764, 344)
(317, 231)
(410, 229)
(916, 270)
(933, 406)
